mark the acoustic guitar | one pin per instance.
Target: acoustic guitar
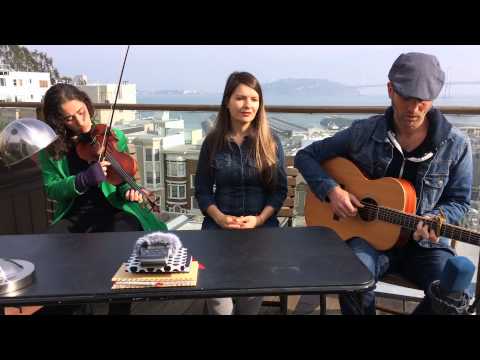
(390, 206)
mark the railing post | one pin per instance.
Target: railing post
(477, 290)
(39, 112)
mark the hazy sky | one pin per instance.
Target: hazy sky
(206, 68)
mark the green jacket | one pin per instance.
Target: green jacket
(60, 186)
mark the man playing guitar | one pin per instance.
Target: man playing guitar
(413, 141)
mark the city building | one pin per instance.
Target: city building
(165, 160)
(180, 168)
(105, 94)
(22, 86)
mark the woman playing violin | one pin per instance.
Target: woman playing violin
(85, 200)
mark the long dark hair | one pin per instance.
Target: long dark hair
(264, 145)
(54, 98)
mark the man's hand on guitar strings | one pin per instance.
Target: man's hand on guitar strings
(423, 232)
(343, 203)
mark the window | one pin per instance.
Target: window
(193, 202)
(176, 168)
(29, 81)
(31, 96)
(192, 181)
(176, 191)
(14, 82)
(176, 209)
(149, 177)
(152, 154)
(148, 154)
(152, 178)
(3, 82)
(43, 83)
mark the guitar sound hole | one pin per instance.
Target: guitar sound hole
(369, 212)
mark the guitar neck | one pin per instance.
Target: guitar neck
(410, 222)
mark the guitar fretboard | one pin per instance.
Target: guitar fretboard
(410, 221)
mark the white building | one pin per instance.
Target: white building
(105, 94)
(150, 148)
(80, 80)
(23, 86)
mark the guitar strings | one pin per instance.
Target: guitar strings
(410, 221)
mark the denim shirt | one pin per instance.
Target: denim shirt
(444, 181)
(238, 188)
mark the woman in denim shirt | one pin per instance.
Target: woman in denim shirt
(241, 181)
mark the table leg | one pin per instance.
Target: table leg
(323, 304)
(119, 308)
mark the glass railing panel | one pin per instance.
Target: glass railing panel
(166, 141)
(10, 113)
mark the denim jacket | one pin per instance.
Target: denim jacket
(444, 181)
(232, 181)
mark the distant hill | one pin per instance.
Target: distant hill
(310, 87)
(19, 58)
(141, 92)
(284, 87)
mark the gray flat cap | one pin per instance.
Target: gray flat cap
(417, 75)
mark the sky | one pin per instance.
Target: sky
(206, 67)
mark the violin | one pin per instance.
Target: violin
(101, 140)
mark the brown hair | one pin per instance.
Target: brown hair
(54, 98)
(264, 145)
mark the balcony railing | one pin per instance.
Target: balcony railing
(32, 201)
(457, 110)
(290, 150)
(347, 110)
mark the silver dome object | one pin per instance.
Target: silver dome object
(19, 140)
(22, 138)
(15, 274)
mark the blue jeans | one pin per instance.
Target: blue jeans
(418, 264)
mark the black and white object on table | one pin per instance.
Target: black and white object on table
(159, 252)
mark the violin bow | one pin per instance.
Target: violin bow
(107, 129)
(107, 133)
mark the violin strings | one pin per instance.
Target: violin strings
(122, 172)
(128, 178)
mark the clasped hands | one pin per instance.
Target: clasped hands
(239, 222)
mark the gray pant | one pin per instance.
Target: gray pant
(157, 307)
(243, 305)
